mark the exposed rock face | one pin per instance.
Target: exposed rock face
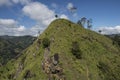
(55, 59)
(51, 67)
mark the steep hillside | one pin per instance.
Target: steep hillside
(66, 51)
(11, 46)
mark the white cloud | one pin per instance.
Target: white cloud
(21, 28)
(11, 27)
(39, 12)
(5, 2)
(110, 30)
(64, 16)
(69, 6)
(21, 1)
(8, 22)
(36, 11)
(42, 14)
(11, 2)
(72, 9)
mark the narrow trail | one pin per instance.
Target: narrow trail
(46, 53)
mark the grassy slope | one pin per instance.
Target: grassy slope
(95, 49)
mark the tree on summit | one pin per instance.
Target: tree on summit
(56, 16)
(100, 31)
(83, 21)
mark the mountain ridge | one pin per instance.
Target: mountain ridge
(99, 57)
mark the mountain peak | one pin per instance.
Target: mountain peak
(66, 51)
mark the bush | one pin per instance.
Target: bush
(103, 67)
(76, 50)
(46, 42)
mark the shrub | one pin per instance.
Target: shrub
(103, 67)
(76, 50)
(46, 42)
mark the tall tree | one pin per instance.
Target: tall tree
(83, 21)
(100, 31)
(89, 23)
(79, 22)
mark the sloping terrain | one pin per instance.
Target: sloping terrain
(11, 46)
(66, 51)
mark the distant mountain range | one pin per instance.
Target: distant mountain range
(11, 46)
(113, 35)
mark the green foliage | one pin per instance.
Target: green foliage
(46, 42)
(76, 50)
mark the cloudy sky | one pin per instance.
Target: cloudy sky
(27, 17)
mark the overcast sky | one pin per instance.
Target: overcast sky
(27, 17)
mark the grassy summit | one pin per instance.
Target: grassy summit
(66, 51)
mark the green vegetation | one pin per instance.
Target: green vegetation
(100, 59)
(76, 50)
(46, 42)
(11, 46)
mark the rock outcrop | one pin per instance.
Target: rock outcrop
(51, 66)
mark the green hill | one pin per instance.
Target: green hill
(11, 46)
(66, 51)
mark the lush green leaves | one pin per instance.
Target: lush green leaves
(46, 42)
